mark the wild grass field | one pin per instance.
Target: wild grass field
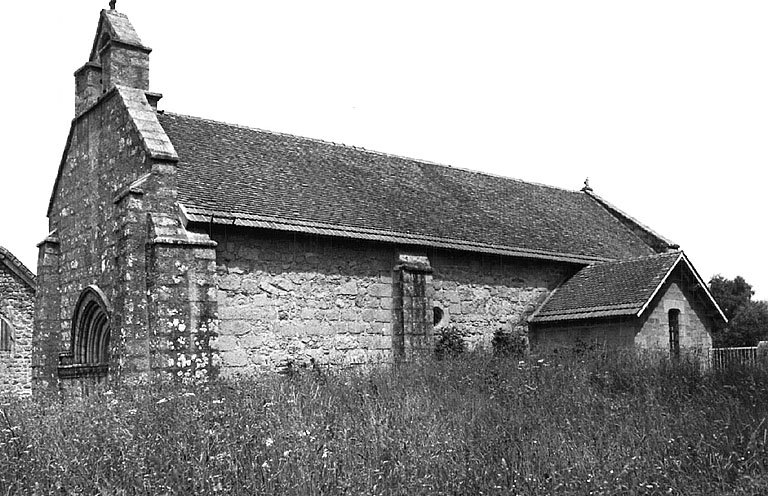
(598, 424)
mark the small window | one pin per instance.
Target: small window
(437, 316)
(674, 333)
(6, 335)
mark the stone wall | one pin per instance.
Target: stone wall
(290, 300)
(479, 294)
(694, 324)
(99, 234)
(17, 308)
(293, 300)
(105, 154)
(587, 334)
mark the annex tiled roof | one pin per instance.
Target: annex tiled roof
(18, 268)
(609, 289)
(237, 175)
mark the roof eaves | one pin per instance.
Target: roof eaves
(18, 268)
(202, 215)
(660, 284)
(704, 287)
(586, 314)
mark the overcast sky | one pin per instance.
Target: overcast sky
(662, 104)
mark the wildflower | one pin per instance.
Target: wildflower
(161, 401)
(188, 394)
(132, 411)
(265, 465)
(286, 453)
(217, 402)
(269, 442)
(326, 452)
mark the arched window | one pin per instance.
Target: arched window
(90, 328)
(6, 335)
(438, 317)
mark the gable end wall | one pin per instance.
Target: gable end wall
(695, 325)
(99, 241)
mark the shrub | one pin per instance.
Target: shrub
(509, 344)
(449, 343)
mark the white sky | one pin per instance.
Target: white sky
(662, 104)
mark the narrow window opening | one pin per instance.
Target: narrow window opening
(6, 335)
(674, 333)
(437, 316)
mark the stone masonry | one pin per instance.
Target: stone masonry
(654, 332)
(17, 298)
(297, 299)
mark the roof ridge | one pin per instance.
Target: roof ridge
(375, 152)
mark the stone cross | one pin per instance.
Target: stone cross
(112, 4)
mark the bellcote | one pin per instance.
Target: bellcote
(117, 58)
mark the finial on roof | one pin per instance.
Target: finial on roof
(112, 4)
(586, 187)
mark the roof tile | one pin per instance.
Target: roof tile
(232, 171)
(608, 289)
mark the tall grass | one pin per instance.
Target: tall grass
(471, 425)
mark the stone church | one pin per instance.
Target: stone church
(187, 247)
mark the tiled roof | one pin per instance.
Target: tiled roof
(237, 175)
(18, 268)
(608, 289)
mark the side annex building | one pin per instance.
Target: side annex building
(187, 247)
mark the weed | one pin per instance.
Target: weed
(593, 423)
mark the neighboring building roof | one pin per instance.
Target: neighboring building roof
(612, 289)
(18, 268)
(235, 175)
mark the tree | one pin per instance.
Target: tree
(731, 294)
(747, 319)
(749, 325)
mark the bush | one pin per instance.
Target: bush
(509, 344)
(449, 343)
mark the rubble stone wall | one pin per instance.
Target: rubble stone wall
(482, 294)
(105, 154)
(294, 300)
(17, 301)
